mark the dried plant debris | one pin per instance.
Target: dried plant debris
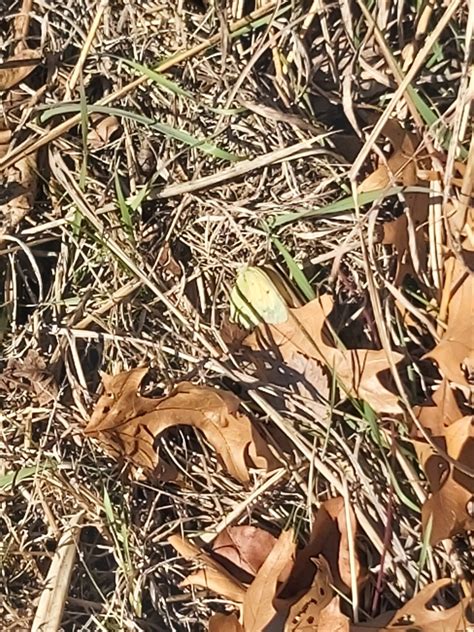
(15, 69)
(21, 178)
(236, 359)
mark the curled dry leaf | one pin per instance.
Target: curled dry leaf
(22, 183)
(331, 618)
(102, 130)
(243, 549)
(454, 354)
(401, 165)
(18, 67)
(305, 614)
(5, 138)
(31, 373)
(168, 263)
(212, 576)
(451, 504)
(420, 615)
(259, 609)
(128, 423)
(329, 538)
(363, 373)
(214, 580)
(224, 623)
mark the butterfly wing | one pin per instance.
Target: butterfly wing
(255, 299)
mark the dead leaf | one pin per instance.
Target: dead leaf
(22, 177)
(224, 623)
(258, 610)
(102, 130)
(213, 580)
(364, 373)
(305, 385)
(454, 354)
(405, 233)
(331, 618)
(304, 333)
(127, 423)
(330, 540)
(31, 373)
(18, 67)
(401, 164)
(213, 576)
(168, 263)
(243, 548)
(5, 138)
(450, 506)
(417, 615)
(304, 615)
(441, 412)
(231, 333)
(311, 384)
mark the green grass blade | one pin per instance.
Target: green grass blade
(137, 200)
(295, 272)
(346, 204)
(7, 481)
(425, 548)
(158, 78)
(186, 138)
(372, 421)
(108, 509)
(174, 88)
(202, 145)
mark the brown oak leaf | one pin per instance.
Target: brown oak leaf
(418, 614)
(363, 373)
(224, 623)
(450, 506)
(407, 232)
(259, 609)
(441, 412)
(329, 539)
(17, 68)
(306, 612)
(243, 549)
(454, 354)
(212, 576)
(128, 423)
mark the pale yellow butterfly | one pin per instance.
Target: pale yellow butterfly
(255, 299)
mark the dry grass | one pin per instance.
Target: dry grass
(84, 288)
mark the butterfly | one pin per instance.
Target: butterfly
(257, 298)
